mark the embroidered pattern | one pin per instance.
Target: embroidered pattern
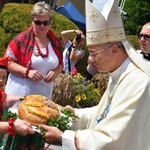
(93, 15)
(107, 34)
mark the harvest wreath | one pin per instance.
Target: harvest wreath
(37, 109)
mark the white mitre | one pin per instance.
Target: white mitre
(104, 25)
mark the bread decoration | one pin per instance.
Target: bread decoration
(37, 109)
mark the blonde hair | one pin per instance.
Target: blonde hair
(41, 8)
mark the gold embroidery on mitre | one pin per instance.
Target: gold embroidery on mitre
(93, 15)
(106, 35)
(115, 12)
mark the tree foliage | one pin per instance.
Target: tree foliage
(138, 15)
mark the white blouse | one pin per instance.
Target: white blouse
(23, 86)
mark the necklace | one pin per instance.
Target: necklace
(40, 53)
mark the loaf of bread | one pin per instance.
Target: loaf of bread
(37, 109)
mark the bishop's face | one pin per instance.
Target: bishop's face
(100, 56)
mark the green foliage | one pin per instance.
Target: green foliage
(63, 123)
(10, 115)
(15, 20)
(138, 15)
(134, 41)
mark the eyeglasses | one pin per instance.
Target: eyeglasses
(39, 23)
(95, 53)
(145, 36)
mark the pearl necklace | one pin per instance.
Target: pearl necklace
(40, 53)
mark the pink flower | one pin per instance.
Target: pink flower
(73, 71)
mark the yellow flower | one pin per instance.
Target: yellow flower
(77, 98)
(79, 76)
(83, 96)
(97, 92)
(85, 93)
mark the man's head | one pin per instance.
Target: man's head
(104, 30)
(144, 38)
(107, 57)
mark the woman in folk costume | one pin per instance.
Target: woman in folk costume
(11, 127)
(121, 120)
(35, 60)
(35, 56)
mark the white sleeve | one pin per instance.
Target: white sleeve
(84, 114)
(68, 141)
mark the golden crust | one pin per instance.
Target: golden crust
(34, 109)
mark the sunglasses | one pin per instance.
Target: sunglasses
(39, 23)
(145, 36)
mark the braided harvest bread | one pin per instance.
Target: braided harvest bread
(37, 109)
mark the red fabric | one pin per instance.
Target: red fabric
(4, 62)
(22, 46)
(3, 96)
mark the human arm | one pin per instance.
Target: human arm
(83, 115)
(64, 35)
(20, 70)
(54, 135)
(20, 127)
(18, 61)
(10, 100)
(76, 55)
(53, 73)
(126, 123)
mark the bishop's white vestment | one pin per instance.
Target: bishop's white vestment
(126, 125)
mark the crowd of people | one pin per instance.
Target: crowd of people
(34, 58)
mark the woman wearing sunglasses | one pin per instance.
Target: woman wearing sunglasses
(35, 60)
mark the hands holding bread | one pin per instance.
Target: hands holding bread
(53, 134)
(36, 110)
(23, 128)
(16, 127)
